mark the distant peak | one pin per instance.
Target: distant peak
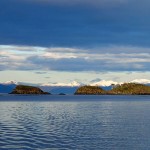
(10, 82)
(75, 83)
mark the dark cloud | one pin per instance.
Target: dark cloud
(95, 80)
(35, 22)
(107, 35)
(47, 77)
(40, 72)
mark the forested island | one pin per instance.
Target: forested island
(24, 89)
(123, 89)
(90, 90)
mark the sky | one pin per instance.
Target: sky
(49, 41)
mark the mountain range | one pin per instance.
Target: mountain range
(68, 88)
(7, 87)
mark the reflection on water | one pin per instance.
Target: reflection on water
(106, 125)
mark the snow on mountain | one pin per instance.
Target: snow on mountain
(104, 83)
(141, 81)
(9, 82)
(75, 83)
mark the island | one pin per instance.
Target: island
(123, 89)
(90, 90)
(130, 89)
(24, 89)
(120, 89)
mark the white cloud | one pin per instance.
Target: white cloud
(72, 84)
(141, 81)
(104, 83)
(73, 59)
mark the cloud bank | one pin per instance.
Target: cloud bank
(74, 59)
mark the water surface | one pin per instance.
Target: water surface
(75, 122)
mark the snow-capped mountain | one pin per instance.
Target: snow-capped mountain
(9, 82)
(67, 88)
(56, 88)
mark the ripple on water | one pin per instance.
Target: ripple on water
(75, 125)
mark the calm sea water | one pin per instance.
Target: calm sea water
(75, 122)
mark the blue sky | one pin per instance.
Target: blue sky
(46, 41)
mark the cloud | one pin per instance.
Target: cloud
(74, 59)
(41, 72)
(38, 22)
(72, 84)
(109, 63)
(95, 80)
